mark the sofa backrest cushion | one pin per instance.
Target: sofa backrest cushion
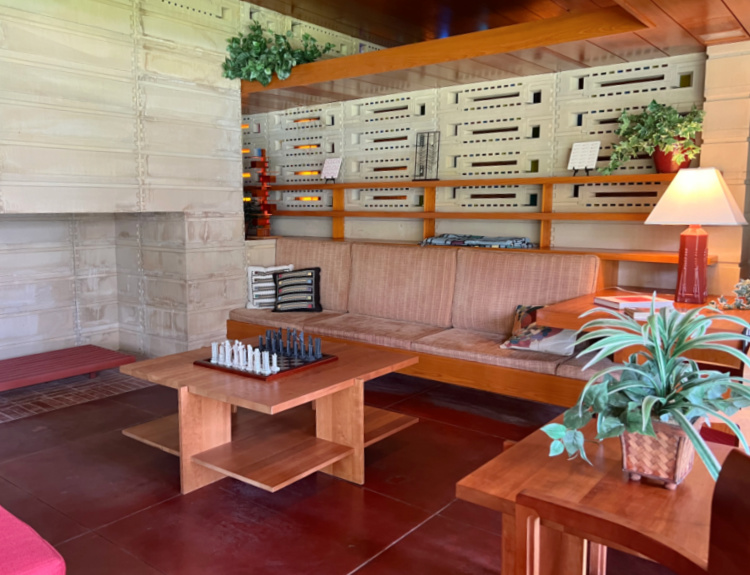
(407, 283)
(490, 284)
(333, 259)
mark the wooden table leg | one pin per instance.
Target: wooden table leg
(204, 423)
(539, 550)
(340, 417)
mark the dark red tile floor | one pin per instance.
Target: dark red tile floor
(112, 505)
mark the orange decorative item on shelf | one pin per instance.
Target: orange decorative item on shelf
(257, 211)
(668, 457)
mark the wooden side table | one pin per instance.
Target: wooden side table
(680, 518)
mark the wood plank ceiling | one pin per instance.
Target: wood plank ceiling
(670, 27)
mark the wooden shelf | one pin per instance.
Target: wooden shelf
(274, 459)
(288, 443)
(521, 181)
(161, 433)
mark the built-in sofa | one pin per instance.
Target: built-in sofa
(452, 307)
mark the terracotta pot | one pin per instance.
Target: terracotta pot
(665, 163)
(668, 457)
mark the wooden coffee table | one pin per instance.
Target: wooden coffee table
(266, 451)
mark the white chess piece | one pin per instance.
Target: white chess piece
(266, 364)
(227, 354)
(274, 365)
(249, 351)
(256, 361)
(214, 352)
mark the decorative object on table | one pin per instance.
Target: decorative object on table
(275, 356)
(478, 241)
(741, 297)
(529, 336)
(659, 131)
(261, 287)
(695, 197)
(426, 156)
(656, 386)
(637, 301)
(298, 290)
(258, 54)
(583, 156)
(331, 169)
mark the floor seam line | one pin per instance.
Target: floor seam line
(395, 542)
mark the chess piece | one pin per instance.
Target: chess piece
(221, 355)
(214, 352)
(318, 352)
(310, 350)
(256, 360)
(266, 366)
(274, 364)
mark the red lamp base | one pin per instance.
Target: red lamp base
(692, 286)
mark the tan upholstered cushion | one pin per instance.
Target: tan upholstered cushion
(292, 319)
(405, 283)
(572, 367)
(489, 285)
(333, 259)
(485, 348)
(372, 330)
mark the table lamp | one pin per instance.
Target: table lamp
(696, 197)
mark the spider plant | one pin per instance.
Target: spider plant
(657, 381)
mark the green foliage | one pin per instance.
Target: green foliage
(659, 126)
(657, 382)
(258, 54)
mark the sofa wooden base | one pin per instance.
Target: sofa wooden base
(540, 387)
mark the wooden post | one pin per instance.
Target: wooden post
(545, 226)
(339, 200)
(428, 224)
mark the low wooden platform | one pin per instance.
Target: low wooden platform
(52, 365)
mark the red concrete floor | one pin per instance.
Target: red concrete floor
(112, 505)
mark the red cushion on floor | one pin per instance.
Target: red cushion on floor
(24, 552)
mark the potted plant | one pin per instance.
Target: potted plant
(658, 395)
(660, 131)
(257, 55)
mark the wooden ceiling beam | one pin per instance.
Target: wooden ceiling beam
(551, 31)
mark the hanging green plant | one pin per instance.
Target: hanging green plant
(259, 54)
(659, 126)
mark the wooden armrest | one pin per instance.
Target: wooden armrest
(535, 509)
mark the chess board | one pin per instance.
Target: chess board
(287, 366)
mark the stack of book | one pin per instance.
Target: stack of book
(636, 306)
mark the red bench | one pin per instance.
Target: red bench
(52, 365)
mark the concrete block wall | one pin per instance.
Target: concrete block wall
(120, 174)
(58, 283)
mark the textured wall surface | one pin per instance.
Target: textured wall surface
(117, 109)
(516, 127)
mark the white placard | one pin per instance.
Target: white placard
(331, 168)
(583, 155)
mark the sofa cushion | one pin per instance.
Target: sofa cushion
(485, 348)
(333, 259)
(489, 285)
(261, 287)
(267, 317)
(23, 551)
(573, 367)
(298, 290)
(374, 330)
(403, 283)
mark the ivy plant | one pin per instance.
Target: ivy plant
(259, 54)
(658, 382)
(659, 126)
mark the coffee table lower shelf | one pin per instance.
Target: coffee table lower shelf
(271, 451)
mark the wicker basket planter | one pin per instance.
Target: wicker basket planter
(668, 457)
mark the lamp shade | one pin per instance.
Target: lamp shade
(697, 196)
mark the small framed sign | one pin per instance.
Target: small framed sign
(331, 169)
(583, 156)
